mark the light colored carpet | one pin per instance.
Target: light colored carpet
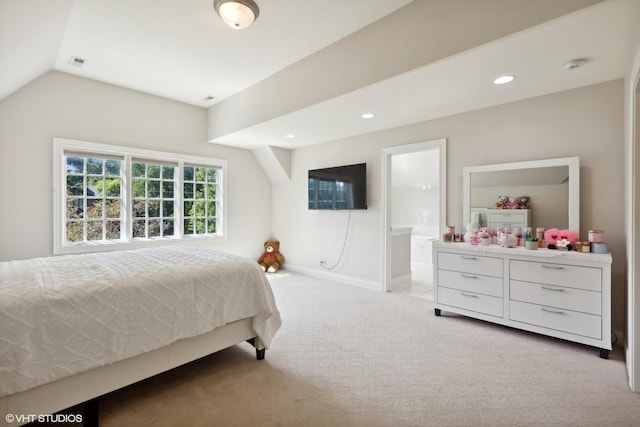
(347, 356)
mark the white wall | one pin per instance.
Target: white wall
(586, 122)
(62, 105)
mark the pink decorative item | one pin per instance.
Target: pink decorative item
(553, 235)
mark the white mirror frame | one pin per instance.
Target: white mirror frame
(574, 184)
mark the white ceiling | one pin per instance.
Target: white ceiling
(181, 50)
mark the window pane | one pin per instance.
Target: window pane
(94, 230)
(94, 166)
(74, 232)
(139, 228)
(154, 209)
(211, 192)
(139, 209)
(75, 185)
(201, 174)
(188, 190)
(75, 165)
(112, 187)
(137, 170)
(211, 175)
(168, 172)
(153, 171)
(200, 226)
(153, 188)
(188, 226)
(138, 188)
(75, 208)
(155, 228)
(112, 168)
(167, 208)
(211, 225)
(167, 189)
(95, 208)
(188, 209)
(200, 208)
(112, 208)
(211, 209)
(168, 227)
(199, 191)
(113, 230)
(188, 173)
(95, 186)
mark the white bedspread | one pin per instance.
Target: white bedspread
(67, 314)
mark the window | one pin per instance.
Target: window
(108, 195)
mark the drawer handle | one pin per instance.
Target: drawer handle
(469, 295)
(468, 257)
(555, 267)
(468, 276)
(548, 310)
(552, 289)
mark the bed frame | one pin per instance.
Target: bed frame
(87, 386)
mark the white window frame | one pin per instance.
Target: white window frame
(62, 145)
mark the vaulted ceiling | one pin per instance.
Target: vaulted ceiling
(311, 68)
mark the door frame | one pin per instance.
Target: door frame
(387, 154)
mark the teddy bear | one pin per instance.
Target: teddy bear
(271, 259)
(502, 202)
(512, 203)
(523, 202)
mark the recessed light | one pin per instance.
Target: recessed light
(290, 135)
(504, 79)
(368, 115)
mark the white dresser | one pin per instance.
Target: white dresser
(561, 294)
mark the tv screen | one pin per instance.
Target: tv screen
(340, 187)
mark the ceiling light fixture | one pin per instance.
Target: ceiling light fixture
(503, 80)
(238, 14)
(290, 135)
(368, 116)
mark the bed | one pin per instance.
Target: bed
(75, 327)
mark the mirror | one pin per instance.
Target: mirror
(552, 185)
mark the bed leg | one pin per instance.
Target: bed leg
(90, 413)
(260, 350)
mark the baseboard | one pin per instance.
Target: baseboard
(349, 280)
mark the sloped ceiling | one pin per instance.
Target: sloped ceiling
(311, 68)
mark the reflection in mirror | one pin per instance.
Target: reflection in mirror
(552, 187)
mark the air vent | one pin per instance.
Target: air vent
(77, 61)
(576, 63)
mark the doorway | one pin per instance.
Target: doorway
(414, 200)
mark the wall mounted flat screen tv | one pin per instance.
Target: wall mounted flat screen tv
(340, 187)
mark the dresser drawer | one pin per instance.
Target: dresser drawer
(574, 276)
(508, 218)
(472, 301)
(470, 263)
(556, 296)
(573, 322)
(471, 282)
